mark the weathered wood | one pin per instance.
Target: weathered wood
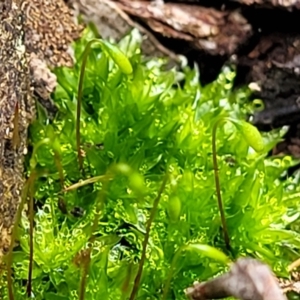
(215, 32)
(113, 23)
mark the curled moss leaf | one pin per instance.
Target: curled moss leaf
(174, 208)
(251, 135)
(118, 56)
(136, 182)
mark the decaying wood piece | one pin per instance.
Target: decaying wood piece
(34, 35)
(248, 279)
(113, 23)
(215, 32)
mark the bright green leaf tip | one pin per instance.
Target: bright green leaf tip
(174, 208)
(209, 252)
(119, 57)
(252, 136)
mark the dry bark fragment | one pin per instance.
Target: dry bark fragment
(248, 279)
(207, 29)
(113, 23)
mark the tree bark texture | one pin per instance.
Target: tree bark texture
(14, 92)
(34, 35)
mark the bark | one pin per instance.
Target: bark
(215, 32)
(34, 35)
(14, 90)
(113, 23)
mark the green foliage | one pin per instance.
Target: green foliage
(139, 122)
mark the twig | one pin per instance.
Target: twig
(84, 182)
